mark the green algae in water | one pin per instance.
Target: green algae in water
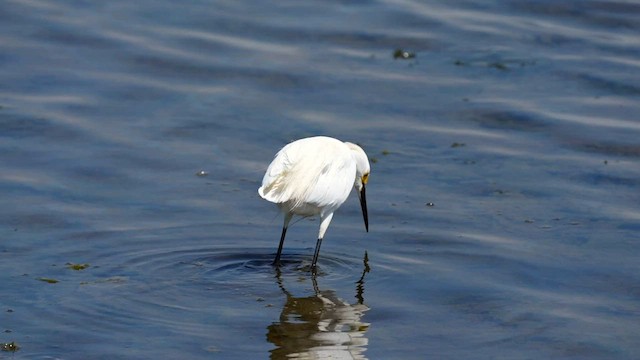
(11, 347)
(403, 54)
(48, 280)
(77, 267)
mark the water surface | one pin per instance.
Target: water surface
(503, 199)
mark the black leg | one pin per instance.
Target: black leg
(315, 254)
(276, 262)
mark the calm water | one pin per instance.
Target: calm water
(517, 120)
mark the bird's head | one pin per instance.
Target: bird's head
(362, 177)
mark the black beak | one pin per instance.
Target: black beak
(363, 205)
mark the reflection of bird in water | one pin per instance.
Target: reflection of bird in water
(314, 176)
(320, 326)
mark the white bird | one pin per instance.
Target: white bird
(314, 176)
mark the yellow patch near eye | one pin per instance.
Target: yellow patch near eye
(365, 178)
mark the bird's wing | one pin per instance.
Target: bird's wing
(333, 181)
(275, 182)
(315, 171)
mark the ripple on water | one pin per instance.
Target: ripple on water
(140, 284)
(198, 293)
(228, 265)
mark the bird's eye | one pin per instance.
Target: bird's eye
(365, 178)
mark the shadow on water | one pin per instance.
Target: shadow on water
(321, 325)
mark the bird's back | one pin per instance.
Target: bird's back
(311, 173)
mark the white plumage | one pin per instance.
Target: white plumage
(314, 176)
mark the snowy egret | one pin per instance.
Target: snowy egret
(314, 176)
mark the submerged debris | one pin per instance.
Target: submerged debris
(498, 65)
(502, 65)
(403, 54)
(12, 347)
(48, 280)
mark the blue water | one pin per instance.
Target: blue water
(504, 197)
